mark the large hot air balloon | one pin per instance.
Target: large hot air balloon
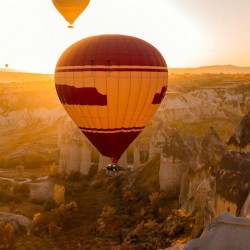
(71, 9)
(111, 85)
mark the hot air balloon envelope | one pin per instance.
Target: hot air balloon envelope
(111, 85)
(70, 10)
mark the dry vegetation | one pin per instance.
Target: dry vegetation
(93, 212)
(98, 213)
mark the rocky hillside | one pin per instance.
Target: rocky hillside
(30, 112)
(195, 102)
(209, 176)
(30, 115)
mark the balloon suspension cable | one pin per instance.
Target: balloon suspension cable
(114, 160)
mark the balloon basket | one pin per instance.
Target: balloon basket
(70, 26)
(112, 170)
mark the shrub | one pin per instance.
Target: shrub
(111, 188)
(18, 198)
(74, 176)
(97, 184)
(118, 247)
(54, 230)
(20, 169)
(35, 160)
(39, 222)
(84, 185)
(154, 199)
(126, 244)
(128, 196)
(71, 206)
(6, 235)
(3, 161)
(37, 201)
(21, 188)
(59, 192)
(12, 163)
(139, 230)
(5, 196)
(13, 192)
(55, 219)
(5, 186)
(100, 225)
(131, 208)
(49, 204)
(142, 212)
(53, 169)
(108, 212)
(12, 207)
(150, 224)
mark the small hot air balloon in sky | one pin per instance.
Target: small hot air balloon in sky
(111, 85)
(70, 9)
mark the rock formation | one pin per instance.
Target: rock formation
(241, 137)
(226, 232)
(209, 177)
(18, 221)
(137, 160)
(170, 174)
(198, 104)
(85, 158)
(233, 177)
(158, 140)
(245, 211)
(75, 154)
(218, 180)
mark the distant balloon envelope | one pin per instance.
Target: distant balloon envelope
(111, 85)
(70, 9)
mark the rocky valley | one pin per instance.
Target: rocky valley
(194, 153)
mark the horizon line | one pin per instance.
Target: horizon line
(12, 70)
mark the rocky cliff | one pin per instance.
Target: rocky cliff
(210, 178)
(225, 232)
(241, 137)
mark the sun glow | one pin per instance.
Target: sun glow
(34, 34)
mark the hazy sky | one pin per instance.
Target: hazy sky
(189, 33)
